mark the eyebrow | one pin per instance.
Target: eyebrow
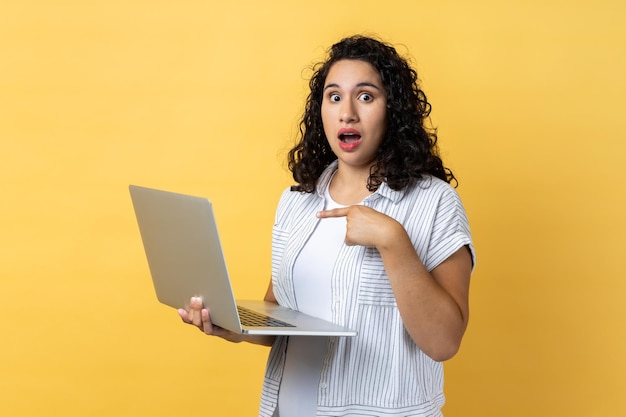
(362, 84)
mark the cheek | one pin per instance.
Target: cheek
(326, 119)
(383, 120)
(326, 110)
(378, 119)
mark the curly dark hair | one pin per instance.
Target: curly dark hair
(408, 150)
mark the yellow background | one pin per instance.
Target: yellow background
(203, 97)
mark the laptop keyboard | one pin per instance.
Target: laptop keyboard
(254, 319)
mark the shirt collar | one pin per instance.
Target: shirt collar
(383, 191)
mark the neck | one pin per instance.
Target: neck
(349, 187)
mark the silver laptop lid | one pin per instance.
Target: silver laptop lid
(182, 243)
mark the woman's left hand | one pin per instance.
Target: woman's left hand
(365, 226)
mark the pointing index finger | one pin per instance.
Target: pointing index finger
(338, 212)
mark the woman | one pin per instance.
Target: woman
(373, 237)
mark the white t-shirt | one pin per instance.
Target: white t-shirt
(312, 281)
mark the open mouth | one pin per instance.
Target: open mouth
(349, 137)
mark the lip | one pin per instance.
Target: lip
(354, 138)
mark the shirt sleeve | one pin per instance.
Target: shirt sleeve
(450, 230)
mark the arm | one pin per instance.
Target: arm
(200, 316)
(434, 305)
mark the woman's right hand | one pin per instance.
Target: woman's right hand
(198, 315)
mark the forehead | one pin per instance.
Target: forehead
(348, 72)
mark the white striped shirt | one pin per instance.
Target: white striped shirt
(380, 372)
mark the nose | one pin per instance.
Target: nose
(348, 113)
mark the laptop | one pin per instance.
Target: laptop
(185, 258)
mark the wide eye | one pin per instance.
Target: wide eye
(334, 97)
(366, 97)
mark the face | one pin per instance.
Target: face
(354, 112)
